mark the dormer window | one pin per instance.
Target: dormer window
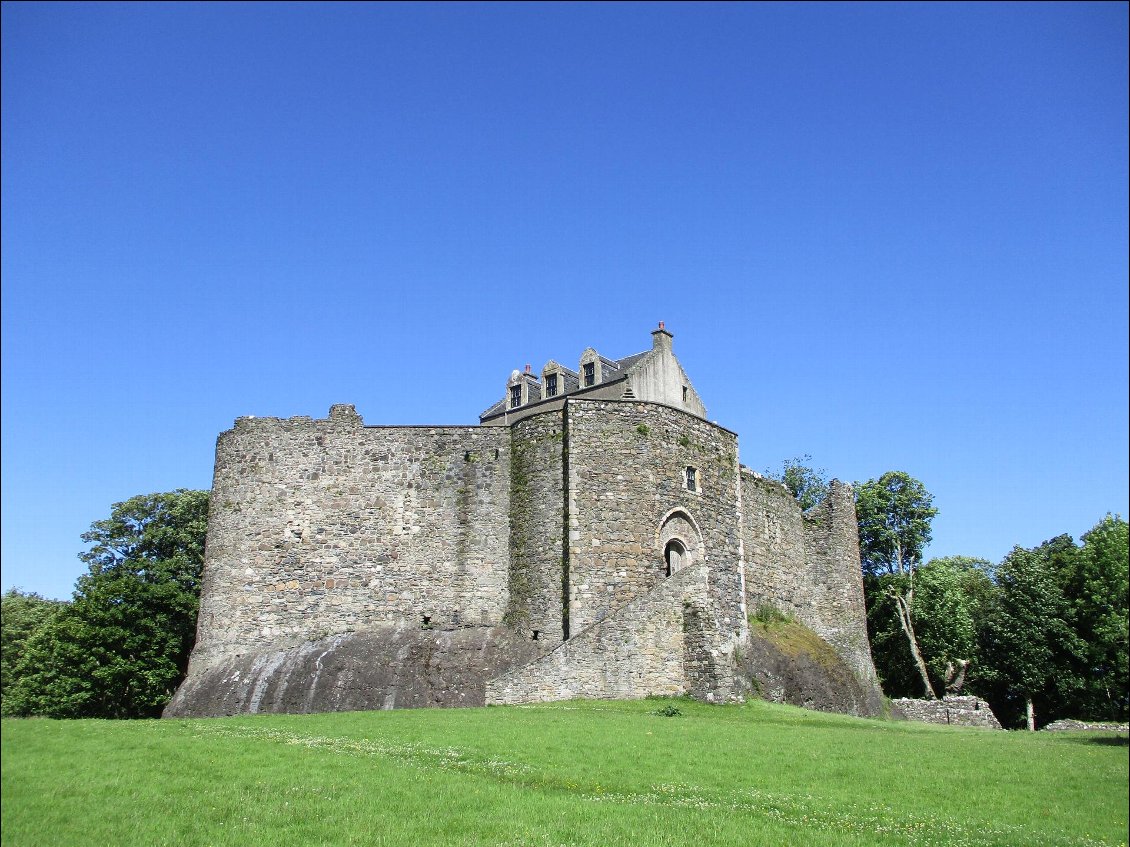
(590, 374)
(515, 396)
(551, 385)
(692, 479)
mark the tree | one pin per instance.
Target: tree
(1100, 602)
(894, 514)
(807, 485)
(1032, 645)
(121, 647)
(21, 615)
(951, 599)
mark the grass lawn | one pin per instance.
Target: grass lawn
(578, 773)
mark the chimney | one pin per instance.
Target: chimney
(661, 338)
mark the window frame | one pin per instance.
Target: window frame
(691, 479)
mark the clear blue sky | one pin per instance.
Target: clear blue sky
(890, 236)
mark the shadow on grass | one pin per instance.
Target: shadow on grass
(1119, 740)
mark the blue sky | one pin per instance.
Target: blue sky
(893, 237)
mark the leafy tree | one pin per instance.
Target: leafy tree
(121, 647)
(21, 615)
(1031, 644)
(808, 486)
(894, 514)
(952, 597)
(1100, 601)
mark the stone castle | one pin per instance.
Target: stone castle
(593, 536)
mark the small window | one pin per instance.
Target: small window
(684, 394)
(692, 479)
(515, 396)
(590, 374)
(551, 385)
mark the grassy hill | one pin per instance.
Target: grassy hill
(578, 773)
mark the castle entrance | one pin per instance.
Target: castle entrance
(679, 541)
(674, 555)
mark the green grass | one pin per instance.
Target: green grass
(580, 773)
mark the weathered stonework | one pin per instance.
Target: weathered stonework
(953, 710)
(585, 540)
(1069, 725)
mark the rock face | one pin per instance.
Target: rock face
(956, 711)
(388, 668)
(786, 662)
(600, 541)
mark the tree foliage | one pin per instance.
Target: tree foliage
(121, 647)
(894, 513)
(951, 598)
(1030, 642)
(1100, 607)
(808, 485)
(21, 615)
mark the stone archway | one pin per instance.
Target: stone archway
(679, 542)
(674, 555)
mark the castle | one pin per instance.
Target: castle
(593, 536)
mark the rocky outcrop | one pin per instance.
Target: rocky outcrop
(396, 667)
(786, 662)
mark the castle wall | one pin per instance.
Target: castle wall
(627, 464)
(807, 565)
(832, 542)
(774, 546)
(537, 526)
(320, 527)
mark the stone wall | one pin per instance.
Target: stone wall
(955, 710)
(1069, 725)
(320, 527)
(642, 649)
(776, 566)
(837, 605)
(627, 477)
(807, 566)
(537, 527)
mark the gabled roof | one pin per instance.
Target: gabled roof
(613, 370)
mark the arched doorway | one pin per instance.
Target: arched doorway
(674, 555)
(679, 541)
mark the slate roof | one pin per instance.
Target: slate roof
(613, 369)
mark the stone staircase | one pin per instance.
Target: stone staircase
(661, 643)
